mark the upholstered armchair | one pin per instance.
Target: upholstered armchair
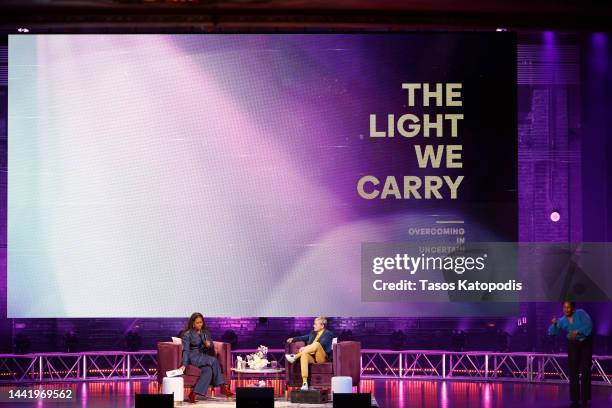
(169, 357)
(346, 361)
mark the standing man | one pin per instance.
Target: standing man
(318, 348)
(578, 326)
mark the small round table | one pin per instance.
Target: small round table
(264, 372)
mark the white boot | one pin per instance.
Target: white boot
(290, 358)
(304, 387)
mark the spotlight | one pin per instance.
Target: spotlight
(133, 341)
(346, 335)
(503, 340)
(22, 344)
(71, 341)
(458, 340)
(230, 336)
(500, 29)
(397, 340)
(555, 216)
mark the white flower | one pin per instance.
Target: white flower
(258, 359)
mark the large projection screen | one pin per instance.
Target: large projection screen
(157, 175)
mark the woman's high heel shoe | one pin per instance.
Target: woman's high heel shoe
(226, 391)
(192, 397)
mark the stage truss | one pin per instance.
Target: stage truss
(477, 365)
(388, 364)
(63, 367)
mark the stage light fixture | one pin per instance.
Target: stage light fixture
(555, 216)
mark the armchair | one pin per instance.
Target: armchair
(346, 361)
(169, 357)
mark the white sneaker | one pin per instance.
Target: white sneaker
(304, 387)
(290, 358)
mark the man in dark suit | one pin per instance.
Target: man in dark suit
(318, 348)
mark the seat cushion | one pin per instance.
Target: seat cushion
(191, 375)
(192, 371)
(323, 368)
(320, 379)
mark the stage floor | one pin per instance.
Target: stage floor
(388, 394)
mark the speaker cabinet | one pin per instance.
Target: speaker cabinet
(154, 401)
(255, 397)
(358, 400)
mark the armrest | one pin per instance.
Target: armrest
(223, 352)
(168, 358)
(290, 370)
(347, 360)
(292, 348)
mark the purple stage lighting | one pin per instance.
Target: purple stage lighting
(555, 216)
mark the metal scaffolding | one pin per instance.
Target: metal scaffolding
(375, 363)
(86, 366)
(477, 365)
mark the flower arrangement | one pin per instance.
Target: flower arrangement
(258, 359)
